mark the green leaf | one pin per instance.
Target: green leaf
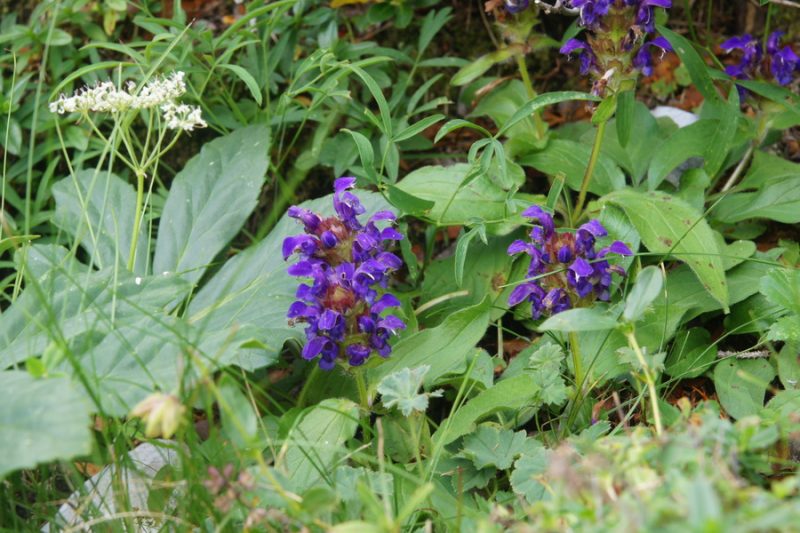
(741, 385)
(407, 203)
(316, 442)
(649, 283)
(685, 143)
(98, 210)
(781, 286)
(210, 200)
(455, 203)
(669, 226)
(579, 319)
(512, 393)
(778, 199)
(539, 102)
(400, 389)
(457, 124)
(634, 157)
(247, 78)
(461, 250)
(68, 304)
(545, 364)
(571, 158)
(366, 153)
(491, 446)
(692, 354)
(377, 94)
(528, 470)
(444, 347)
(418, 127)
(239, 420)
(41, 420)
(605, 110)
(476, 68)
(626, 108)
(697, 68)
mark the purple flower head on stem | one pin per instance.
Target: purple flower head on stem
(565, 270)
(348, 268)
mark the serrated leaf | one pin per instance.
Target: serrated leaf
(490, 446)
(528, 470)
(742, 384)
(401, 389)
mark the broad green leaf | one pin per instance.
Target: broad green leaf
(444, 348)
(209, 201)
(571, 158)
(767, 168)
(777, 199)
(98, 209)
(41, 420)
(461, 251)
(504, 102)
(486, 270)
(250, 295)
(454, 203)
(317, 441)
(741, 385)
(669, 226)
(580, 319)
(70, 304)
(634, 157)
(491, 446)
(648, 285)
(685, 143)
(512, 393)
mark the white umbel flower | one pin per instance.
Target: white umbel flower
(182, 116)
(107, 98)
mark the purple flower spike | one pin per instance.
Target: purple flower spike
(348, 267)
(565, 271)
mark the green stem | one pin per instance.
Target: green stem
(137, 218)
(526, 80)
(587, 176)
(363, 395)
(577, 364)
(312, 377)
(648, 377)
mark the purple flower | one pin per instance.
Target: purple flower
(565, 271)
(779, 64)
(515, 6)
(348, 267)
(644, 60)
(615, 48)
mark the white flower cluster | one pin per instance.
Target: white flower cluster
(105, 97)
(182, 116)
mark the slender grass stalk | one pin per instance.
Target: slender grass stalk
(575, 350)
(587, 176)
(541, 129)
(649, 379)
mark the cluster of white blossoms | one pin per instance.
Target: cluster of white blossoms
(105, 97)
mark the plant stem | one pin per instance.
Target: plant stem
(577, 364)
(526, 80)
(312, 377)
(648, 377)
(137, 218)
(363, 395)
(587, 176)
